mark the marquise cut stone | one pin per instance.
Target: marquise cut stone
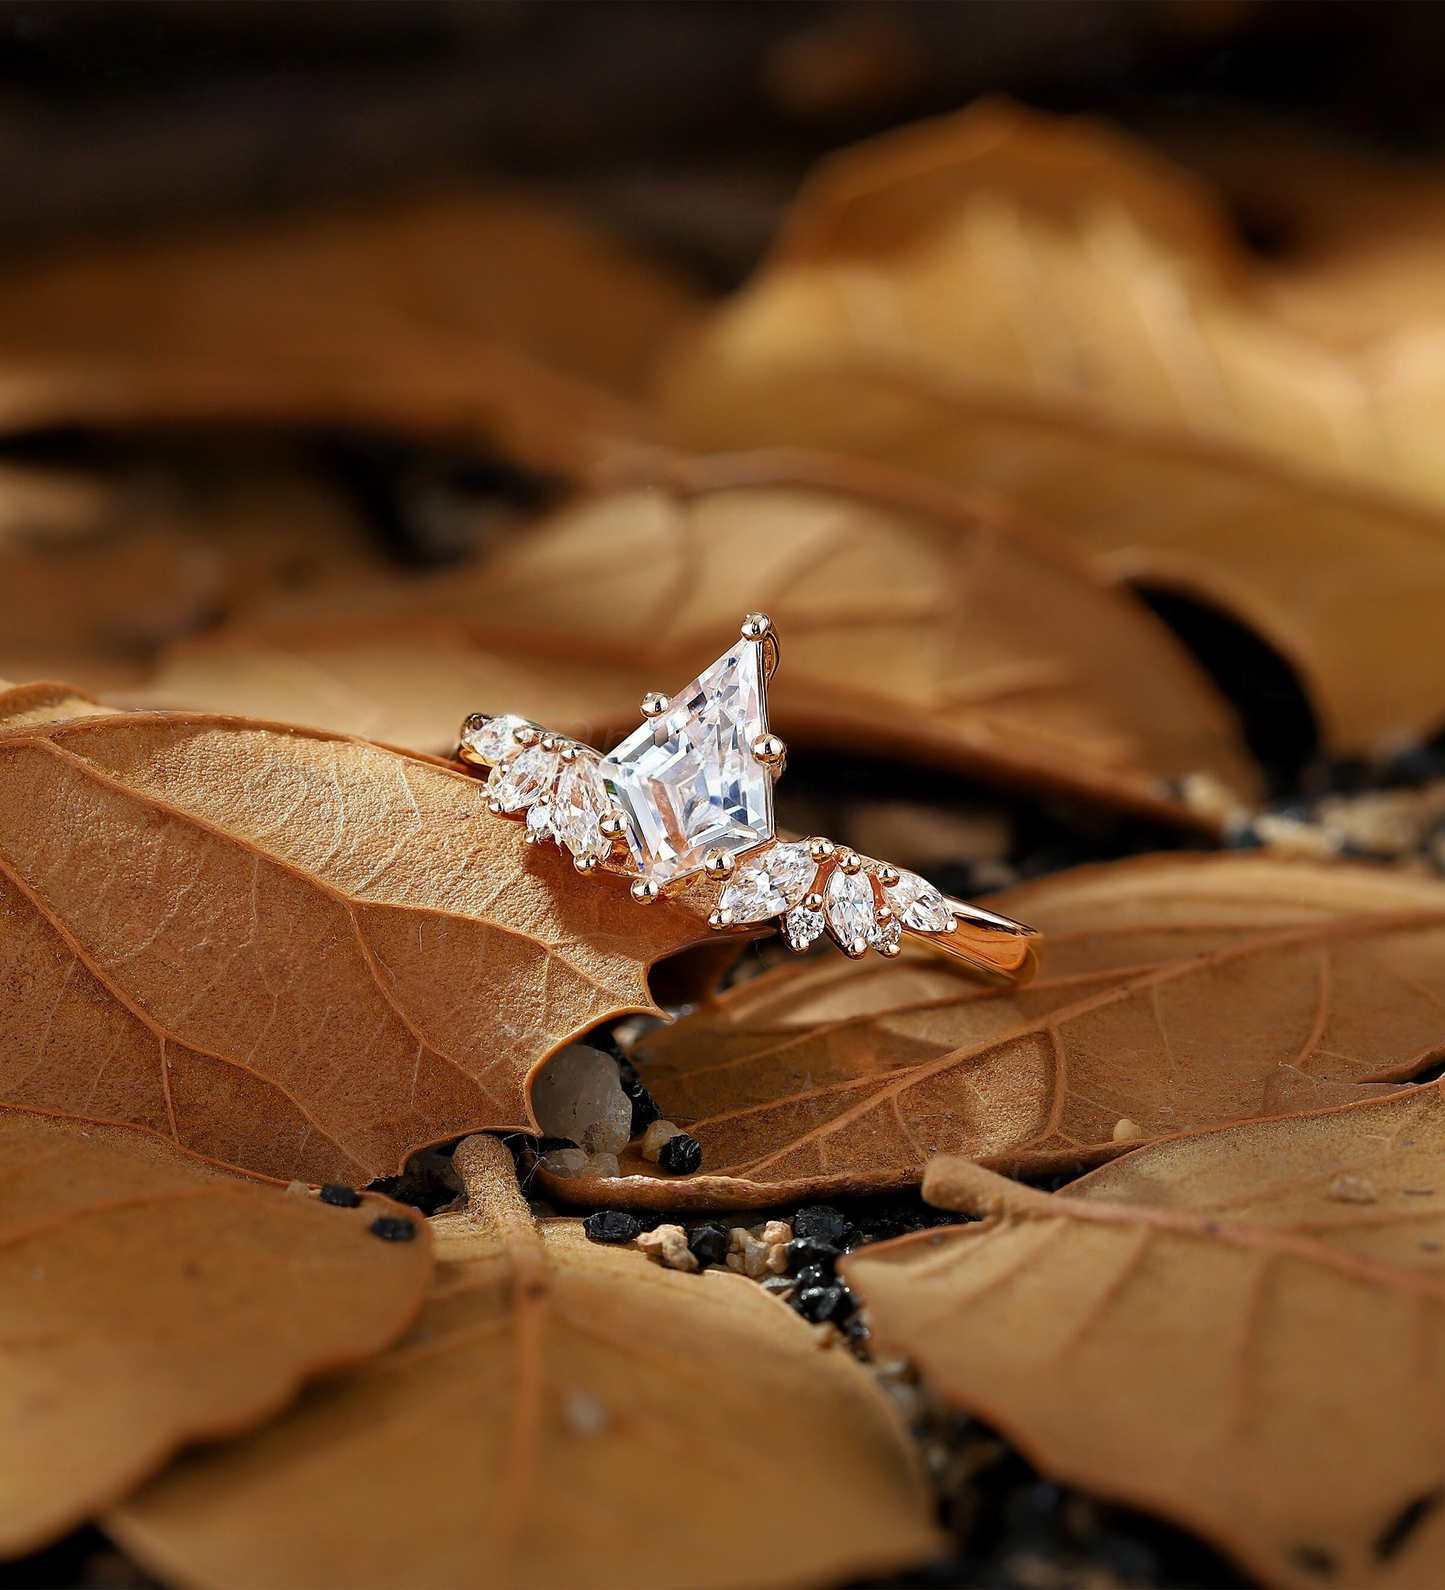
(920, 905)
(848, 902)
(769, 884)
(518, 782)
(577, 809)
(688, 781)
(493, 740)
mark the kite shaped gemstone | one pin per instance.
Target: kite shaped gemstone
(688, 781)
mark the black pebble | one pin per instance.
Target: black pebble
(709, 1244)
(644, 1107)
(392, 1228)
(804, 1251)
(680, 1155)
(343, 1197)
(813, 1275)
(819, 1303)
(823, 1222)
(612, 1225)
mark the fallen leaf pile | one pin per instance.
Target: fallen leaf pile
(303, 1283)
(548, 1385)
(149, 1300)
(1041, 309)
(1244, 1328)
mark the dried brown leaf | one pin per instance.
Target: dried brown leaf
(911, 620)
(149, 1300)
(565, 1413)
(286, 950)
(1242, 1329)
(1032, 307)
(1177, 992)
(481, 318)
(96, 577)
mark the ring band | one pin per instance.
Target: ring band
(691, 792)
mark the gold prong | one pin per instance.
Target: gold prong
(719, 919)
(569, 752)
(851, 862)
(470, 755)
(525, 734)
(495, 807)
(654, 704)
(718, 863)
(884, 913)
(613, 825)
(820, 849)
(644, 891)
(813, 901)
(770, 749)
(585, 863)
(799, 946)
(756, 625)
(952, 926)
(887, 876)
(857, 948)
(888, 951)
(550, 742)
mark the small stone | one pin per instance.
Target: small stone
(644, 1106)
(884, 935)
(577, 1095)
(585, 1415)
(777, 1257)
(748, 1255)
(494, 740)
(655, 1136)
(297, 1189)
(1347, 1189)
(819, 1303)
(393, 1228)
(668, 1244)
(680, 1155)
(565, 1162)
(342, 1197)
(767, 885)
(805, 1251)
(1125, 1130)
(612, 1225)
(813, 1275)
(603, 1165)
(803, 926)
(777, 1285)
(822, 1221)
(776, 1231)
(539, 821)
(709, 1243)
(919, 904)
(848, 905)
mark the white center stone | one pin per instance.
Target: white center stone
(688, 781)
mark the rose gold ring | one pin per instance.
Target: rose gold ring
(690, 792)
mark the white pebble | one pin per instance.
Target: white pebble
(577, 1094)
(603, 1165)
(655, 1136)
(669, 1244)
(565, 1162)
(776, 1231)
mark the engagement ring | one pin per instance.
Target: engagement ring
(691, 791)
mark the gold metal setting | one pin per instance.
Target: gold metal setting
(876, 908)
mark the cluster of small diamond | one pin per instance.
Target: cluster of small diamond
(554, 781)
(816, 887)
(812, 886)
